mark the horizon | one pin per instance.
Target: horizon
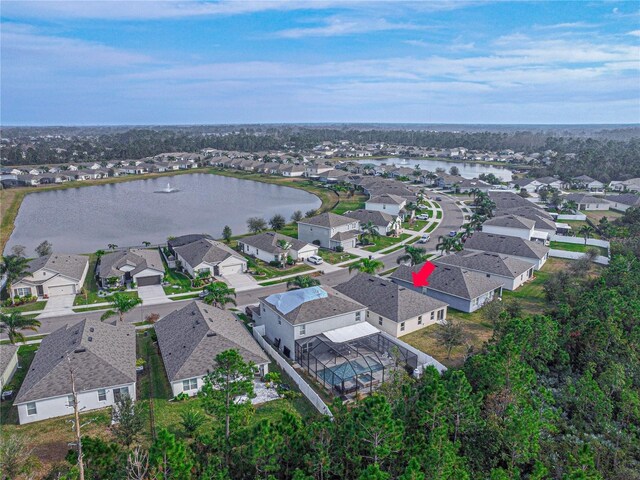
(227, 62)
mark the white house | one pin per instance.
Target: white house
(631, 185)
(385, 223)
(623, 201)
(208, 255)
(388, 203)
(8, 363)
(103, 360)
(274, 247)
(512, 225)
(587, 202)
(534, 252)
(53, 275)
(142, 266)
(588, 183)
(329, 230)
(306, 312)
(190, 338)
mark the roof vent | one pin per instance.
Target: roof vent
(193, 312)
(90, 339)
(91, 329)
(80, 350)
(211, 334)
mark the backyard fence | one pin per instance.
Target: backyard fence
(304, 387)
(594, 242)
(424, 360)
(576, 256)
(578, 216)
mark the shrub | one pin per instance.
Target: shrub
(339, 249)
(316, 242)
(152, 317)
(181, 396)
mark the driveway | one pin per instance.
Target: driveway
(152, 295)
(240, 281)
(58, 305)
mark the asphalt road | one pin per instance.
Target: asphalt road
(452, 219)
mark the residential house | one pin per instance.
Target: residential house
(293, 171)
(447, 181)
(533, 252)
(102, 358)
(332, 176)
(8, 364)
(314, 169)
(141, 266)
(388, 203)
(623, 201)
(631, 185)
(174, 242)
(544, 226)
(505, 200)
(512, 271)
(275, 247)
(462, 289)
(551, 182)
(467, 185)
(393, 308)
(588, 183)
(52, 275)
(587, 202)
(385, 223)
(512, 225)
(191, 337)
(209, 255)
(305, 312)
(329, 230)
(529, 184)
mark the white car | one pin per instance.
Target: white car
(315, 259)
(424, 238)
(422, 216)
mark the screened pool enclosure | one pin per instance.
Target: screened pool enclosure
(347, 365)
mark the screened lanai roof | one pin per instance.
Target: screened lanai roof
(344, 334)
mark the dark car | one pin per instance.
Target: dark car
(249, 311)
(438, 199)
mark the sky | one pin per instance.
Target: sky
(290, 61)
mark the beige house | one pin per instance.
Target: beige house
(53, 275)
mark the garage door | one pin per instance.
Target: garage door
(153, 280)
(230, 269)
(62, 290)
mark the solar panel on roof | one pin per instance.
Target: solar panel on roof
(289, 301)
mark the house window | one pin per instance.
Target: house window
(402, 327)
(420, 320)
(305, 347)
(32, 409)
(303, 329)
(118, 393)
(22, 292)
(441, 314)
(189, 384)
(102, 395)
(433, 315)
(70, 401)
(279, 322)
(358, 316)
(379, 320)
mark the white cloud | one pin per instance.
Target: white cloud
(338, 26)
(635, 33)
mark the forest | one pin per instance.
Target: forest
(553, 396)
(612, 156)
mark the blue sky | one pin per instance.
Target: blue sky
(181, 62)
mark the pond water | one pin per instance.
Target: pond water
(467, 170)
(85, 219)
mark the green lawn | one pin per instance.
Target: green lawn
(417, 225)
(332, 257)
(577, 247)
(89, 293)
(438, 214)
(264, 271)
(290, 230)
(347, 203)
(27, 307)
(381, 242)
(180, 283)
(8, 414)
(433, 227)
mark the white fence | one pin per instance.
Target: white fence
(578, 216)
(576, 256)
(424, 360)
(594, 242)
(304, 387)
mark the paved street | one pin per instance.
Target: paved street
(452, 219)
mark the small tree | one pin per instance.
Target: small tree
(169, 457)
(277, 222)
(296, 216)
(19, 250)
(191, 420)
(226, 233)
(129, 417)
(121, 304)
(45, 248)
(219, 294)
(450, 334)
(302, 281)
(367, 265)
(14, 267)
(146, 244)
(16, 458)
(13, 322)
(455, 171)
(310, 213)
(256, 224)
(112, 246)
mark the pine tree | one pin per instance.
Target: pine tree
(169, 457)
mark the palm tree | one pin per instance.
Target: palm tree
(112, 246)
(367, 265)
(468, 229)
(14, 267)
(219, 294)
(121, 304)
(585, 231)
(413, 255)
(302, 281)
(446, 244)
(146, 244)
(474, 192)
(570, 205)
(99, 253)
(13, 322)
(477, 220)
(284, 246)
(369, 229)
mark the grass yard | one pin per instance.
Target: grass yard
(180, 283)
(346, 203)
(433, 227)
(416, 225)
(332, 257)
(9, 414)
(596, 215)
(381, 242)
(577, 247)
(438, 214)
(290, 230)
(264, 271)
(27, 307)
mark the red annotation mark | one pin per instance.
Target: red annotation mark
(420, 278)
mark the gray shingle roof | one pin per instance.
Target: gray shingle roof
(329, 220)
(185, 239)
(191, 337)
(342, 236)
(505, 200)
(205, 250)
(71, 266)
(388, 199)
(380, 219)
(268, 242)
(505, 244)
(544, 221)
(6, 354)
(493, 263)
(510, 221)
(625, 199)
(334, 304)
(452, 280)
(111, 263)
(583, 198)
(102, 355)
(388, 299)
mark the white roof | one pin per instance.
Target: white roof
(564, 226)
(289, 301)
(344, 334)
(540, 235)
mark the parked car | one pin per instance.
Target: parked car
(248, 311)
(438, 199)
(423, 216)
(424, 238)
(7, 395)
(202, 294)
(453, 233)
(315, 259)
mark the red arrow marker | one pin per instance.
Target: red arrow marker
(420, 278)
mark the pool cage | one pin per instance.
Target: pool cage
(353, 367)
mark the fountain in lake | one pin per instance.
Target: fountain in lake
(168, 189)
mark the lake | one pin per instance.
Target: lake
(85, 219)
(467, 170)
